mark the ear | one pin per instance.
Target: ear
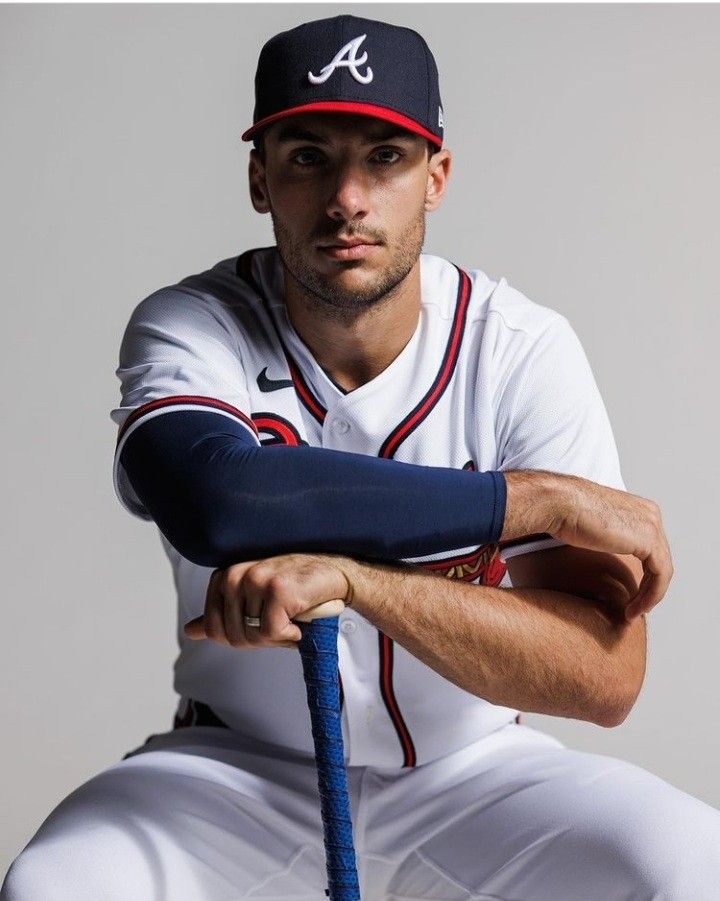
(257, 184)
(437, 179)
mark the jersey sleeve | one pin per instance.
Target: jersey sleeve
(180, 350)
(552, 417)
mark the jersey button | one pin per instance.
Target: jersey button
(348, 627)
(341, 426)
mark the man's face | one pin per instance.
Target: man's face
(329, 179)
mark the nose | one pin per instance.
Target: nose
(349, 198)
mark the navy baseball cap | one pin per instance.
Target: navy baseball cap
(347, 64)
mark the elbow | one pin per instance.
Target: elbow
(622, 677)
(606, 710)
(618, 705)
(193, 481)
(614, 714)
(195, 543)
(620, 711)
(199, 551)
(197, 534)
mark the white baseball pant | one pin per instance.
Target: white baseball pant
(202, 813)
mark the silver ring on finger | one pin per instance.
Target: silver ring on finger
(252, 621)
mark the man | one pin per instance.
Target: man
(344, 423)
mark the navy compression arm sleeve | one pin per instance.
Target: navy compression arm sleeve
(219, 498)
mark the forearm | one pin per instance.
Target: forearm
(534, 650)
(219, 498)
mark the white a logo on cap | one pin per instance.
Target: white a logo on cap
(352, 62)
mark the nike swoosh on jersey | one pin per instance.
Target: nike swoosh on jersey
(266, 384)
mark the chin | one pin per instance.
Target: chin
(352, 275)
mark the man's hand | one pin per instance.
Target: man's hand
(587, 515)
(278, 590)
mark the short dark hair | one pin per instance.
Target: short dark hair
(259, 145)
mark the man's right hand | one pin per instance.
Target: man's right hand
(584, 514)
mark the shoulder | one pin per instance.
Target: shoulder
(493, 300)
(527, 337)
(217, 297)
(239, 281)
(513, 314)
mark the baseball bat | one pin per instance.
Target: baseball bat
(319, 654)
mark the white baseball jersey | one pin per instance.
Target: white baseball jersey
(489, 381)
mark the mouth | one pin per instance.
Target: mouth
(355, 249)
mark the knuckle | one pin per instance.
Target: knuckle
(279, 584)
(234, 572)
(256, 577)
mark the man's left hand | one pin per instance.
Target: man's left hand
(278, 590)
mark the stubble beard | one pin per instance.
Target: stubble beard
(331, 300)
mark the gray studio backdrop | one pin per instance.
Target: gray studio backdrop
(586, 171)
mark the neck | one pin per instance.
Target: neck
(355, 349)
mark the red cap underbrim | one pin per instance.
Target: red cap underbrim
(345, 106)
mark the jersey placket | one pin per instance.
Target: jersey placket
(349, 427)
(357, 422)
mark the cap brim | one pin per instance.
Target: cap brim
(345, 106)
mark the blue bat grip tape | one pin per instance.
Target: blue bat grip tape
(318, 650)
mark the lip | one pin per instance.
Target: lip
(346, 250)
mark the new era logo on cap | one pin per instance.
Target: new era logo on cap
(349, 64)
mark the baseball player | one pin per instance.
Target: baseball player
(343, 422)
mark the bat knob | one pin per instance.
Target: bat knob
(321, 611)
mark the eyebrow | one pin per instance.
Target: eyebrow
(295, 133)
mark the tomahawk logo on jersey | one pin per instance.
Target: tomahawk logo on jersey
(489, 381)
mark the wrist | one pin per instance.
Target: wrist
(537, 501)
(367, 584)
(352, 571)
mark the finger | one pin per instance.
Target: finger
(661, 568)
(326, 609)
(233, 606)
(195, 628)
(215, 615)
(278, 627)
(266, 597)
(213, 583)
(251, 592)
(666, 572)
(254, 635)
(627, 581)
(639, 603)
(657, 573)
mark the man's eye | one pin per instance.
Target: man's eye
(385, 153)
(306, 158)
